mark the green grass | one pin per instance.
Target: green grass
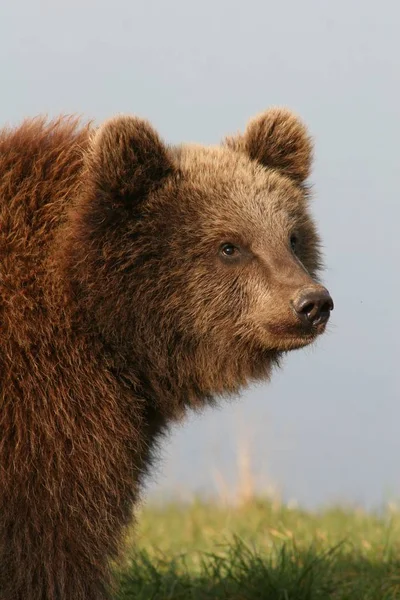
(261, 550)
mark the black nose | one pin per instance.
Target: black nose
(313, 307)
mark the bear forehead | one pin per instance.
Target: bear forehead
(234, 191)
(218, 164)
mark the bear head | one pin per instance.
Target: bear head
(199, 263)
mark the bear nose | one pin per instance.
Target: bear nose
(313, 307)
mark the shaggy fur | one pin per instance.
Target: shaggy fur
(119, 310)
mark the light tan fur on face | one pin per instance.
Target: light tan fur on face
(239, 200)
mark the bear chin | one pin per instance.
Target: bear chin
(292, 342)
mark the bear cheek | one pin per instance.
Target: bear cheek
(215, 309)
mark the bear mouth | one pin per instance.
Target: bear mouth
(292, 337)
(292, 343)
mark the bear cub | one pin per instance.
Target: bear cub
(137, 280)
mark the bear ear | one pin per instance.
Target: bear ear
(127, 159)
(277, 139)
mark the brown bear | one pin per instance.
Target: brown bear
(137, 280)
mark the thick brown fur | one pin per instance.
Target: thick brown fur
(118, 312)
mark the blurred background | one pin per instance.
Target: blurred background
(326, 429)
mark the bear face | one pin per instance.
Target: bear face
(201, 262)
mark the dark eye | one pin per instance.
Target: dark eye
(294, 242)
(229, 250)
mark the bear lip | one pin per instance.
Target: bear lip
(295, 343)
(297, 331)
(292, 337)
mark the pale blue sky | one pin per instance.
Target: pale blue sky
(327, 428)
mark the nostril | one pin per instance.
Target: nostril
(309, 308)
(306, 308)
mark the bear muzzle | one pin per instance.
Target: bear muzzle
(309, 311)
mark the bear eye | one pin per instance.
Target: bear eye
(294, 242)
(229, 250)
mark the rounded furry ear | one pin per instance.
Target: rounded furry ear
(277, 139)
(127, 158)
